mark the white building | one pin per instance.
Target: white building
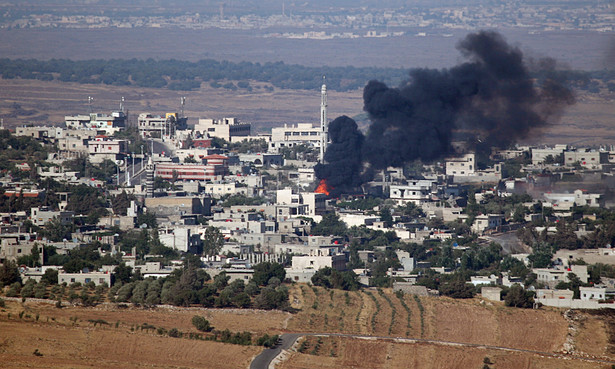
(108, 123)
(160, 125)
(463, 166)
(314, 203)
(590, 159)
(485, 222)
(592, 293)
(229, 129)
(416, 191)
(291, 135)
(98, 278)
(103, 148)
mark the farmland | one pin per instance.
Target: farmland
(68, 337)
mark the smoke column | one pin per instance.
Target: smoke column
(489, 101)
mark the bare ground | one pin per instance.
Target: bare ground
(589, 121)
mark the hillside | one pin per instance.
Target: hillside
(68, 337)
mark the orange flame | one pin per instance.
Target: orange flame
(323, 187)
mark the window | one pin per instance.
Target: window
(72, 280)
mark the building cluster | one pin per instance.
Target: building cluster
(539, 16)
(264, 200)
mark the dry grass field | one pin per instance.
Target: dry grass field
(382, 313)
(67, 337)
(589, 121)
(358, 353)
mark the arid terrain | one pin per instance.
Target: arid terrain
(454, 333)
(589, 121)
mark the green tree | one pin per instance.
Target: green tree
(9, 273)
(122, 273)
(518, 297)
(331, 278)
(201, 324)
(330, 225)
(266, 270)
(213, 240)
(50, 276)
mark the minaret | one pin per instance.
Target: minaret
(149, 178)
(324, 126)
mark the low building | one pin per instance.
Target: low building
(103, 148)
(416, 191)
(99, 278)
(589, 159)
(592, 293)
(483, 223)
(179, 205)
(162, 125)
(100, 122)
(42, 215)
(552, 277)
(491, 293)
(229, 129)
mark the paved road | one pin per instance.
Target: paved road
(263, 360)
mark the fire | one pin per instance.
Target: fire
(323, 187)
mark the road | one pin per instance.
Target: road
(158, 148)
(264, 359)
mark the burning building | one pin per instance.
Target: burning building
(492, 100)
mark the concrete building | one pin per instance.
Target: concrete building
(177, 205)
(181, 238)
(540, 154)
(483, 223)
(103, 148)
(11, 249)
(100, 122)
(565, 201)
(41, 215)
(491, 293)
(590, 159)
(592, 293)
(163, 125)
(262, 160)
(99, 278)
(215, 170)
(552, 277)
(312, 203)
(229, 129)
(415, 191)
(292, 135)
(462, 166)
(40, 133)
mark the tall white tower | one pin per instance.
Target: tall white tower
(324, 125)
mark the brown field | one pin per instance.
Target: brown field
(443, 318)
(67, 338)
(589, 121)
(357, 353)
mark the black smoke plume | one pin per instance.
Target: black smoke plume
(489, 101)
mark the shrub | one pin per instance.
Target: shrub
(201, 323)
(268, 341)
(174, 332)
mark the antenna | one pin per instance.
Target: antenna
(122, 104)
(90, 99)
(182, 102)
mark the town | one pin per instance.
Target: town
(104, 203)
